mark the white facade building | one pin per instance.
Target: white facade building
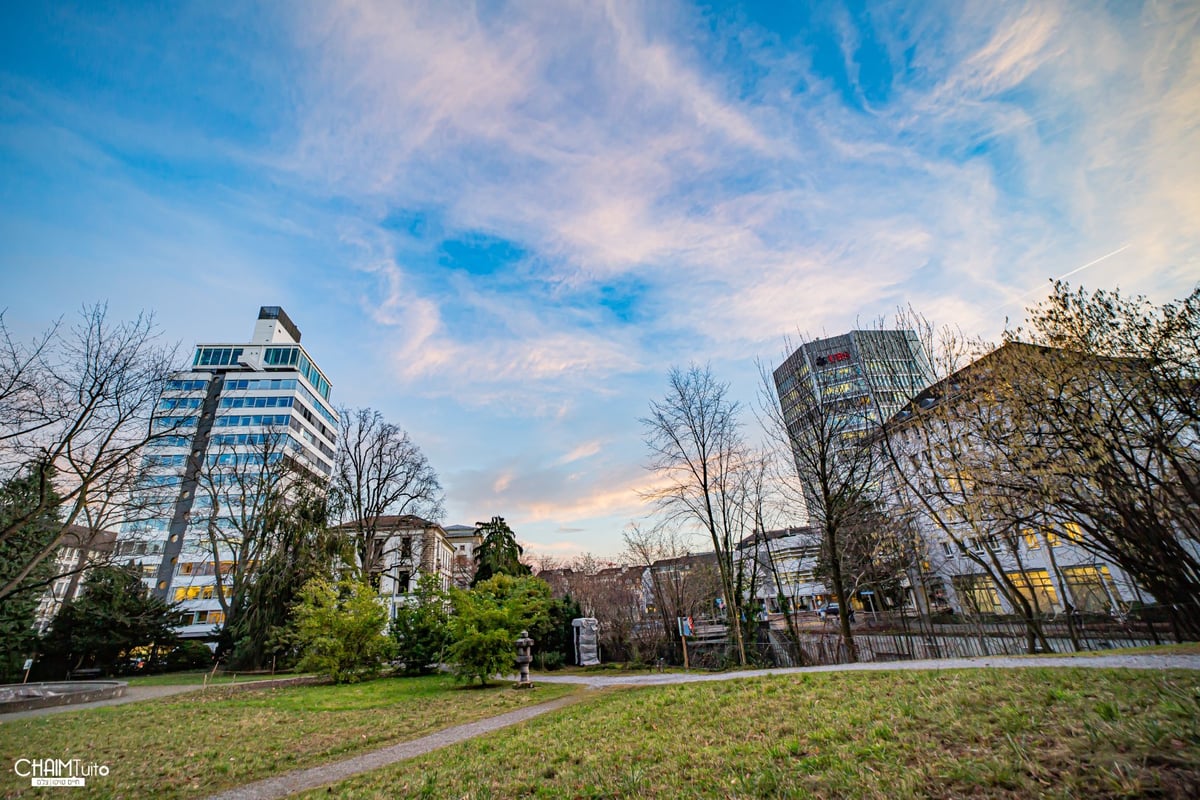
(465, 539)
(241, 412)
(786, 569)
(406, 548)
(936, 448)
(79, 549)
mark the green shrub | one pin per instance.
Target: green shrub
(489, 618)
(422, 630)
(340, 629)
(189, 655)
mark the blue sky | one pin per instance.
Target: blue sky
(501, 224)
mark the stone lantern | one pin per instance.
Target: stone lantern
(524, 659)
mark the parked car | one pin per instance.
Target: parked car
(830, 611)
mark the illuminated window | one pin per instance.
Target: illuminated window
(977, 594)
(1035, 586)
(1092, 588)
(1031, 539)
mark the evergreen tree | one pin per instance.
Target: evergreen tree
(489, 618)
(18, 609)
(340, 628)
(261, 630)
(499, 553)
(422, 629)
(114, 615)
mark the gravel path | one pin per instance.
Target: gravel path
(315, 777)
(1087, 662)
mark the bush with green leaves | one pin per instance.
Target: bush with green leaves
(489, 618)
(341, 630)
(189, 655)
(421, 629)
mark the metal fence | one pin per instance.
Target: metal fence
(900, 639)
(968, 639)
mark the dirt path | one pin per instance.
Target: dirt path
(302, 779)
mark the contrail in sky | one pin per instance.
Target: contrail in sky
(1120, 249)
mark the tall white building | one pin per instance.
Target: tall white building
(242, 411)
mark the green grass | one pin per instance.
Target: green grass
(994, 733)
(196, 743)
(197, 678)
(1184, 649)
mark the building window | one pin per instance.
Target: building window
(1092, 588)
(1073, 533)
(1035, 586)
(216, 356)
(977, 594)
(1031, 539)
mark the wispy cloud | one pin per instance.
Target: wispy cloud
(670, 183)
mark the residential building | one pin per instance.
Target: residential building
(972, 537)
(245, 419)
(77, 551)
(784, 565)
(406, 548)
(686, 586)
(465, 539)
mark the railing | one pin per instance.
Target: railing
(900, 638)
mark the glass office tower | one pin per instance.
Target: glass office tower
(242, 411)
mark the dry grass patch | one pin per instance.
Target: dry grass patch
(993, 733)
(193, 744)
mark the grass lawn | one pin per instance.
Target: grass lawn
(994, 733)
(197, 678)
(201, 742)
(1184, 649)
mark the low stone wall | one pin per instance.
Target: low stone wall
(28, 696)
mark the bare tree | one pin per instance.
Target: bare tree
(835, 474)
(680, 583)
(1108, 399)
(697, 451)
(76, 409)
(380, 471)
(945, 471)
(264, 516)
(612, 594)
(243, 493)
